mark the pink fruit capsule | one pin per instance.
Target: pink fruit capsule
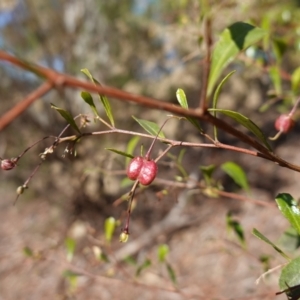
(8, 164)
(134, 168)
(148, 172)
(284, 123)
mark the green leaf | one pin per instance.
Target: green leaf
(146, 264)
(290, 240)
(131, 147)
(171, 273)
(216, 98)
(70, 246)
(207, 172)
(279, 48)
(246, 122)
(120, 152)
(266, 240)
(236, 173)
(236, 227)
(181, 98)
(102, 98)
(275, 75)
(109, 228)
(296, 81)
(162, 252)
(289, 281)
(28, 251)
(290, 209)
(151, 127)
(87, 97)
(233, 39)
(67, 116)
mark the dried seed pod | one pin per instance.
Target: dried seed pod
(284, 123)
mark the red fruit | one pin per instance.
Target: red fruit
(134, 168)
(284, 123)
(148, 172)
(8, 164)
(142, 169)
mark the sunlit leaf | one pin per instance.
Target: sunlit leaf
(102, 98)
(87, 97)
(67, 116)
(181, 98)
(290, 209)
(265, 239)
(236, 173)
(289, 281)
(246, 122)
(162, 252)
(151, 127)
(109, 228)
(275, 76)
(233, 39)
(295, 80)
(120, 152)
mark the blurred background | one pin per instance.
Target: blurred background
(53, 242)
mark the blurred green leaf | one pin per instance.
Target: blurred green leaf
(265, 239)
(181, 98)
(87, 97)
(130, 260)
(120, 152)
(171, 273)
(275, 76)
(162, 252)
(151, 127)
(236, 173)
(295, 80)
(131, 146)
(70, 247)
(290, 240)
(289, 281)
(109, 228)
(236, 227)
(290, 209)
(279, 48)
(102, 98)
(207, 172)
(233, 39)
(67, 116)
(28, 251)
(246, 122)
(146, 264)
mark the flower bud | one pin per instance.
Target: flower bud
(284, 123)
(8, 164)
(124, 237)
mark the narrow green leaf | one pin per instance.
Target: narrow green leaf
(207, 172)
(87, 97)
(266, 240)
(236, 173)
(290, 209)
(162, 252)
(279, 48)
(216, 98)
(151, 127)
(146, 264)
(171, 273)
(296, 81)
(237, 228)
(67, 116)
(120, 152)
(233, 39)
(102, 98)
(181, 98)
(246, 122)
(131, 147)
(70, 247)
(109, 228)
(289, 281)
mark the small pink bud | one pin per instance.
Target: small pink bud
(8, 164)
(284, 123)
